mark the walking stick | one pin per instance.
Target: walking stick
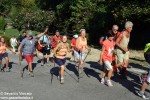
(83, 62)
(52, 71)
(21, 70)
(87, 55)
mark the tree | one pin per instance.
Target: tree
(37, 19)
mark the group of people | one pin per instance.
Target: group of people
(115, 52)
(115, 49)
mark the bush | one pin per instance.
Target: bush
(2, 23)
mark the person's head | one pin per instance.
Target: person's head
(82, 32)
(13, 36)
(128, 26)
(24, 33)
(110, 36)
(64, 39)
(29, 35)
(115, 29)
(75, 36)
(57, 33)
(2, 39)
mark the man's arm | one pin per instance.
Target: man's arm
(39, 35)
(101, 55)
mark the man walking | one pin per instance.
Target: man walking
(28, 48)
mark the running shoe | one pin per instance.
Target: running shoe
(143, 95)
(103, 81)
(62, 81)
(31, 74)
(109, 83)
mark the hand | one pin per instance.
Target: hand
(101, 62)
(89, 49)
(18, 53)
(70, 50)
(114, 52)
(126, 49)
(46, 30)
(81, 49)
(13, 52)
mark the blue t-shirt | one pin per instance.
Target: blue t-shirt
(29, 45)
(46, 40)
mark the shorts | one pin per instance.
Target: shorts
(3, 55)
(107, 65)
(60, 62)
(79, 56)
(29, 58)
(45, 51)
(121, 56)
(147, 57)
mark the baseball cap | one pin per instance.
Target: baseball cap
(29, 33)
(75, 36)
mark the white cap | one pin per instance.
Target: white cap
(75, 36)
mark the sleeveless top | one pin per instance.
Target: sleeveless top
(62, 51)
(13, 41)
(82, 44)
(124, 42)
(2, 48)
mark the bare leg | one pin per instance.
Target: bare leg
(7, 63)
(48, 56)
(62, 71)
(30, 66)
(144, 86)
(110, 74)
(104, 73)
(62, 74)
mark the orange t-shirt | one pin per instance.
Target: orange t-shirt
(109, 47)
(82, 44)
(2, 48)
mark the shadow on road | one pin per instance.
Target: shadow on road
(138, 66)
(132, 83)
(137, 59)
(90, 72)
(95, 65)
(72, 67)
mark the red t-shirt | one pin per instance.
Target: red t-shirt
(117, 35)
(73, 42)
(55, 40)
(109, 47)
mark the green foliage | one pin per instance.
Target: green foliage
(69, 16)
(75, 14)
(11, 32)
(2, 23)
(132, 10)
(37, 20)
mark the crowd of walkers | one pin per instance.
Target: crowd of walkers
(114, 54)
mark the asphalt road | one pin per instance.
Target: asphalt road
(45, 85)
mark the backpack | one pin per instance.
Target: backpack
(147, 48)
(102, 39)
